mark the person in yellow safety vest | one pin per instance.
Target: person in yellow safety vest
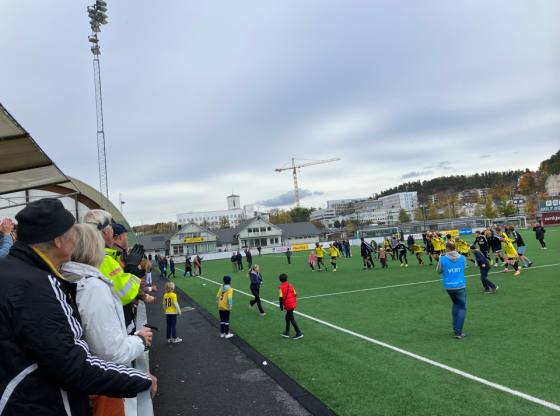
(127, 285)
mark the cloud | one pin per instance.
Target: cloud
(415, 174)
(440, 165)
(485, 156)
(289, 198)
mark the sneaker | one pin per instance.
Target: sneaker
(461, 335)
(491, 262)
(517, 273)
(421, 264)
(319, 269)
(431, 264)
(263, 314)
(169, 341)
(334, 270)
(222, 335)
(530, 264)
(326, 269)
(298, 335)
(484, 292)
(496, 265)
(312, 270)
(364, 267)
(505, 271)
(406, 265)
(402, 265)
(230, 335)
(177, 340)
(495, 289)
(285, 334)
(250, 306)
(467, 266)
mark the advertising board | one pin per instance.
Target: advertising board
(193, 240)
(552, 205)
(551, 218)
(452, 233)
(465, 231)
(281, 249)
(300, 247)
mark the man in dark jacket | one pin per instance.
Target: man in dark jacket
(539, 234)
(289, 255)
(410, 241)
(40, 328)
(347, 247)
(249, 258)
(162, 264)
(239, 259)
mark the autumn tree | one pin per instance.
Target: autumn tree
(541, 182)
(531, 207)
(462, 213)
(352, 225)
(478, 210)
(418, 214)
(204, 224)
(318, 224)
(403, 216)
(433, 213)
(300, 214)
(224, 222)
(489, 210)
(527, 184)
(280, 216)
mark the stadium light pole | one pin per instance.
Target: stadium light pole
(98, 17)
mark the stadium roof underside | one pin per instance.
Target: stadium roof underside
(23, 165)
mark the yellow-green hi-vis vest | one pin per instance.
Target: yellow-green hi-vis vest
(126, 284)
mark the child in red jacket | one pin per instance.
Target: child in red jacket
(288, 302)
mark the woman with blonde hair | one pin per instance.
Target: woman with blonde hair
(256, 282)
(100, 308)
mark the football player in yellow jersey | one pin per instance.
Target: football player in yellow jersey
(387, 245)
(463, 249)
(319, 250)
(417, 250)
(439, 246)
(511, 256)
(334, 253)
(224, 304)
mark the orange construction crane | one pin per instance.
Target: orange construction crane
(294, 167)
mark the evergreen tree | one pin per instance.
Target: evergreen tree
(433, 213)
(337, 224)
(403, 216)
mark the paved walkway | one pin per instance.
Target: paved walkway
(208, 375)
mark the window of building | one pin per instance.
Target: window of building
(263, 229)
(269, 228)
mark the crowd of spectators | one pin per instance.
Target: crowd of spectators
(67, 328)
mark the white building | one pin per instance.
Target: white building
(341, 205)
(552, 185)
(235, 214)
(322, 214)
(405, 200)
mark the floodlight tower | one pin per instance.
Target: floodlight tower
(98, 17)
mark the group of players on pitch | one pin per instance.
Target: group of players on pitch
(497, 239)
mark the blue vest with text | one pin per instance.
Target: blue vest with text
(453, 273)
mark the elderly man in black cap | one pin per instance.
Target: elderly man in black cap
(45, 366)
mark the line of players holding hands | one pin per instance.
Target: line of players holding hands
(497, 239)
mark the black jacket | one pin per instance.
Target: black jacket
(249, 256)
(256, 280)
(366, 249)
(410, 240)
(162, 263)
(45, 365)
(539, 232)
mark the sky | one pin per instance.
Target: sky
(202, 99)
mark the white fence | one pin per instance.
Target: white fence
(142, 363)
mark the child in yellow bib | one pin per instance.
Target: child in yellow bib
(224, 303)
(171, 310)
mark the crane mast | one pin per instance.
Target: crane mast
(294, 167)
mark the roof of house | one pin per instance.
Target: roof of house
(226, 235)
(298, 229)
(154, 242)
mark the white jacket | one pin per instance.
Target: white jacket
(102, 315)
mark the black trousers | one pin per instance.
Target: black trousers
(249, 264)
(289, 260)
(401, 255)
(257, 299)
(224, 322)
(485, 251)
(290, 318)
(543, 244)
(239, 265)
(484, 278)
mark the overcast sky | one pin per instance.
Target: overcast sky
(202, 97)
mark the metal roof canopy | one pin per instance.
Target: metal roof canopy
(23, 165)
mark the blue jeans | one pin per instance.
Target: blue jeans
(171, 325)
(459, 298)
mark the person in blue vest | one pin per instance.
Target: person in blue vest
(452, 266)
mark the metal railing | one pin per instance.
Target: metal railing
(142, 363)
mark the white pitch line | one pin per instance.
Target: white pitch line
(418, 357)
(408, 284)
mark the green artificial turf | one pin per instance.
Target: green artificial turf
(513, 335)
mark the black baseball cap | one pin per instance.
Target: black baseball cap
(119, 229)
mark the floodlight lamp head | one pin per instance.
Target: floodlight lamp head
(101, 3)
(93, 23)
(101, 8)
(95, 50)
(93, 39)
(104, 22)
(103, 15)
(95, 29)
